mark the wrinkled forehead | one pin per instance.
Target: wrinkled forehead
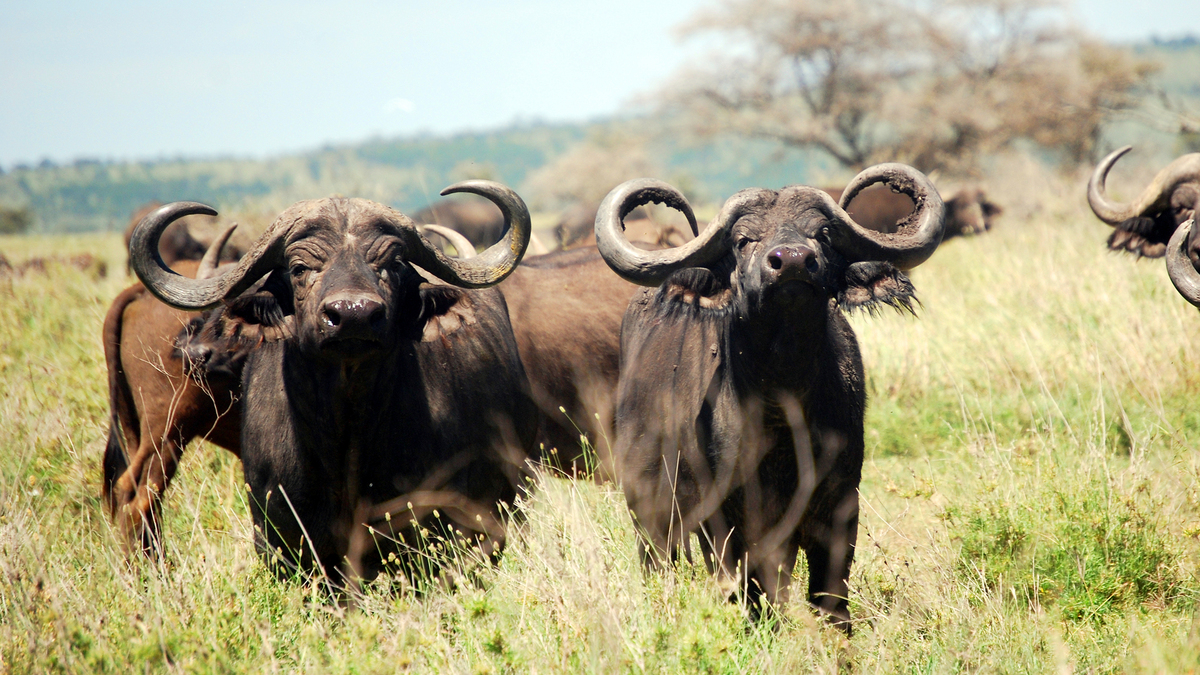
(334, 221)
(797, 207)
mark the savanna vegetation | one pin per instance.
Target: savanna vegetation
(1031, 501)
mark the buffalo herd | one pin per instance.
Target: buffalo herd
(381, 394)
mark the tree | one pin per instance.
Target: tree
(15, 220)
(935, 85)
(588, 170)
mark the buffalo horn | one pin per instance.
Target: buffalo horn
(197, 294)
(463, 248)
(1179, 266)
(1154, 198)
(919, 234)
(212, 257)
(497, 261)
(651, 268)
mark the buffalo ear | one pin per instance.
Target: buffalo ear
(1143, 236)
(870, 284)
(264, 313)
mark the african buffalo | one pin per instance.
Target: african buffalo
(161, 396)
(476, 219)
(187, 371)
(741, 395)
(968, 212)
(177, 242)
(566, 310)
(1145, 226)
(386, 406)
(577, 228)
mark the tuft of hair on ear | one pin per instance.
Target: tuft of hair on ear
(872, 284)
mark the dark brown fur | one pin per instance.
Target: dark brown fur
(741, 400)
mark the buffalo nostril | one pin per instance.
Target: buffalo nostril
(775, 260)
(354, 314)
(811, 264)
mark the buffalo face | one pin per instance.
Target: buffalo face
(1144, 226)
(782, 252)
(348, 276)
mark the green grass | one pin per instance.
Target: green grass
(1030, 501)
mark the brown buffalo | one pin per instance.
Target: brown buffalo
(741, 396)
(576, 228)
(878, 208)
(476, 219)
(1145, 225)
(160, 400)
(566, 310)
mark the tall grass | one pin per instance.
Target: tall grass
(1031, 503)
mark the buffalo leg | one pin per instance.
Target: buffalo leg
(830, 553)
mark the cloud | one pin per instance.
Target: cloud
(399, 105)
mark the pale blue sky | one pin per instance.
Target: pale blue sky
(144, 80)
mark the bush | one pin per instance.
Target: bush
(15, 220)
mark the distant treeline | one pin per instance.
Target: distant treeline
(406, 173)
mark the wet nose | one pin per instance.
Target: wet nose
(793, 258)
(359, 316)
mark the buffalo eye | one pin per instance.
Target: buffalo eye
(300, 272)
(823, 235)
(741, 243)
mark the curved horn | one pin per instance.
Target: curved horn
(919, 234)
(1179, 266)
(1154, 198)
(499, 260)
(212, 257)
(463, 248)
(196, 294)
(651, 268)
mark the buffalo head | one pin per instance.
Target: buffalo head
(340, 268)
(788, 247)
(1145, 225)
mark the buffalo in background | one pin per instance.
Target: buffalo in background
(576, 228)
(1161, 221)
(163, 392)
(383, 404)
(741, 396)
(476, 219)
(1145, 226)
(177, 242)
(878, 208)
(566, 309)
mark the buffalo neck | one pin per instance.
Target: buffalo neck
(778, 346)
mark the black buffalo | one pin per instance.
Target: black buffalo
(741, 396)
(1145, 226)
(387, 402)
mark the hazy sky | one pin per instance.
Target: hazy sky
(144, 80)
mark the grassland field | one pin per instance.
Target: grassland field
(1030, 502)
